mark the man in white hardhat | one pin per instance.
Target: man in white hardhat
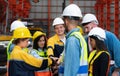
(75, 59)
(56, 43)
(16, 24)
(112, 42)
(98, 32)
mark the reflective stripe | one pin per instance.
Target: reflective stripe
(45, 70)
(91, 60)
(8, 49)
(40, 53)
(84, 56)
(82, 74)
(83, 69)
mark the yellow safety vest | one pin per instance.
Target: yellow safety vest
(41, 53)
(91, 60)
(45, 72)
(83, 68)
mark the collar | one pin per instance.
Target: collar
(18, 47)
(73, 30)
(57, 37)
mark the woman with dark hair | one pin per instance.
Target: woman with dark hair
(99, 58)
(39, 51)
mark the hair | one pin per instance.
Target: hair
(35, 42)
(83, 24)
(16, 41)
(100, 45)
(72, 19)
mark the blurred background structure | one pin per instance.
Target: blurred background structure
(40, 13)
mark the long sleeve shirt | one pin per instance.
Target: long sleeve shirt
(113, 45)
(72, 55)
(24, 64)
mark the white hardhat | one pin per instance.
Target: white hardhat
(98, 32)
(89, 18)
(57, 21)
(16, 24)
(72, 10)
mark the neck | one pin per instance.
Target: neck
(62, 36)
(71, 26)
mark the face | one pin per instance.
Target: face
(66, 23)
(92, 43)
(88, 27)
(41, 42)
(24, 43)
(59, 29)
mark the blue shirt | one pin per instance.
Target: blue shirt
(72, 54)
(113, 45)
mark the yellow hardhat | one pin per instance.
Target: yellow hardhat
(21, 32)
(38, 33)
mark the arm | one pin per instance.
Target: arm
(28, 61)
(113, 45)
(34, 53)
(72, 57)
(50, 46)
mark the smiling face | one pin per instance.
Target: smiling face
(59, 29)
(41, 42)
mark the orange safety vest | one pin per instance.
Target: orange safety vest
(45, 72)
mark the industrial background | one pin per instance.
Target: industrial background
(40, 13)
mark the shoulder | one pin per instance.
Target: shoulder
(73, 41)
(104, 55)
(109, 34)
(72, 38)
(52, 38)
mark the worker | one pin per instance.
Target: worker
(75, 59)
(21, 63)
(99, 58)
(15, 24)
(112, 42)
(56, 43)
(39, 51)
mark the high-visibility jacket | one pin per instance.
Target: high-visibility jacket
(92, 58)
(24, 64)
(10, 48)
(83, 67)
(55, 46)
(45, 72)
